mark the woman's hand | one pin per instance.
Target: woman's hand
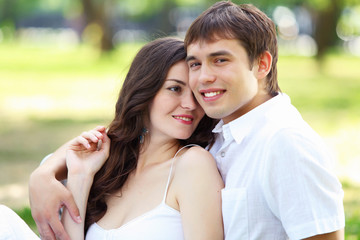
(87, 153)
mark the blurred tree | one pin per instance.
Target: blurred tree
(325, 16)
(12, 10)
(7, 18)
(7, 12)
(102, 14)
(154, 11)
(98, 13)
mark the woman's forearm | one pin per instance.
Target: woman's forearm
(79, 185)
(83, 159)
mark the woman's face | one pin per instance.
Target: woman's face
(174, 112)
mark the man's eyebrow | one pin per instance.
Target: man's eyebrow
(189, 58)
(214, 54)
(219, 53)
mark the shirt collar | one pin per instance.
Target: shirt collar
(218, 127)
(242, 126)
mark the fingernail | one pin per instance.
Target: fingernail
(78, 219)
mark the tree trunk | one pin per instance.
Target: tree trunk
(325, 29)
(163, 18)
(8, 10)
(95, 12)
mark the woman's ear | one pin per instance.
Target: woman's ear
(264, 64)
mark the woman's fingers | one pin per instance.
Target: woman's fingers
(100, 128)
(80, 140)
(92, 138)
(93, 135)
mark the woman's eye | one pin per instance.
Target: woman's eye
(174, 89)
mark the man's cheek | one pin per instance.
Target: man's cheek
(192, 82)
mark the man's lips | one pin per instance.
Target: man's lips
(211, 94)
(186, 119)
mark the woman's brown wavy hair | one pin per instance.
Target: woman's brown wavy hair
(146, 76)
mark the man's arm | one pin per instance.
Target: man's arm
(337, 235)
(301, 188)
(47, 195)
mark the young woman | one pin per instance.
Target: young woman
(147, 179)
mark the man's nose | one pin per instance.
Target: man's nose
(206, 74)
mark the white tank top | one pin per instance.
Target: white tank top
(161, 223)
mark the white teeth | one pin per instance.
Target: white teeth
(184, 118)
(211, 94)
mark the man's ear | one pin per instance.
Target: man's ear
(264, 65)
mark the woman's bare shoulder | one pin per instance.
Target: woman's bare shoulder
(196, 155)
(196, 160)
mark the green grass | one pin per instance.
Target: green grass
(352, 210)
(25, 214)
(49, 95)
(332, 91)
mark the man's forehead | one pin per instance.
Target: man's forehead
(204, 41)
(211, 45)
(212, 36)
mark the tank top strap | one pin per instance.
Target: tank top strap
(171, 168)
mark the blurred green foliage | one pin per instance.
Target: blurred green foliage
(80, 14)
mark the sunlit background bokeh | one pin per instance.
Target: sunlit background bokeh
(62, 63)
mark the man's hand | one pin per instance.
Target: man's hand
(47, 195)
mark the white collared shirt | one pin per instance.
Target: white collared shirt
(277, 175)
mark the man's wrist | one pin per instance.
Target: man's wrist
(55, 165)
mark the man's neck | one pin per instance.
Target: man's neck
(255, 102)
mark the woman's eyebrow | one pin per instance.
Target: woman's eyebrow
(177, 81)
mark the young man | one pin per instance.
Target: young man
(275, 167)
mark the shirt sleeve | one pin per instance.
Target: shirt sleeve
(45, 158)
(13, 227)
(299, 186)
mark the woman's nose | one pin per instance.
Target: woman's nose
(189, 102)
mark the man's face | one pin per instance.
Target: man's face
(221, 78)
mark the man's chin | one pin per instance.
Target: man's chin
(214, 114)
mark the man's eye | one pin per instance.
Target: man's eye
(220, 60)
(194, 64)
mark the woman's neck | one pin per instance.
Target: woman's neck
(156, 152)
